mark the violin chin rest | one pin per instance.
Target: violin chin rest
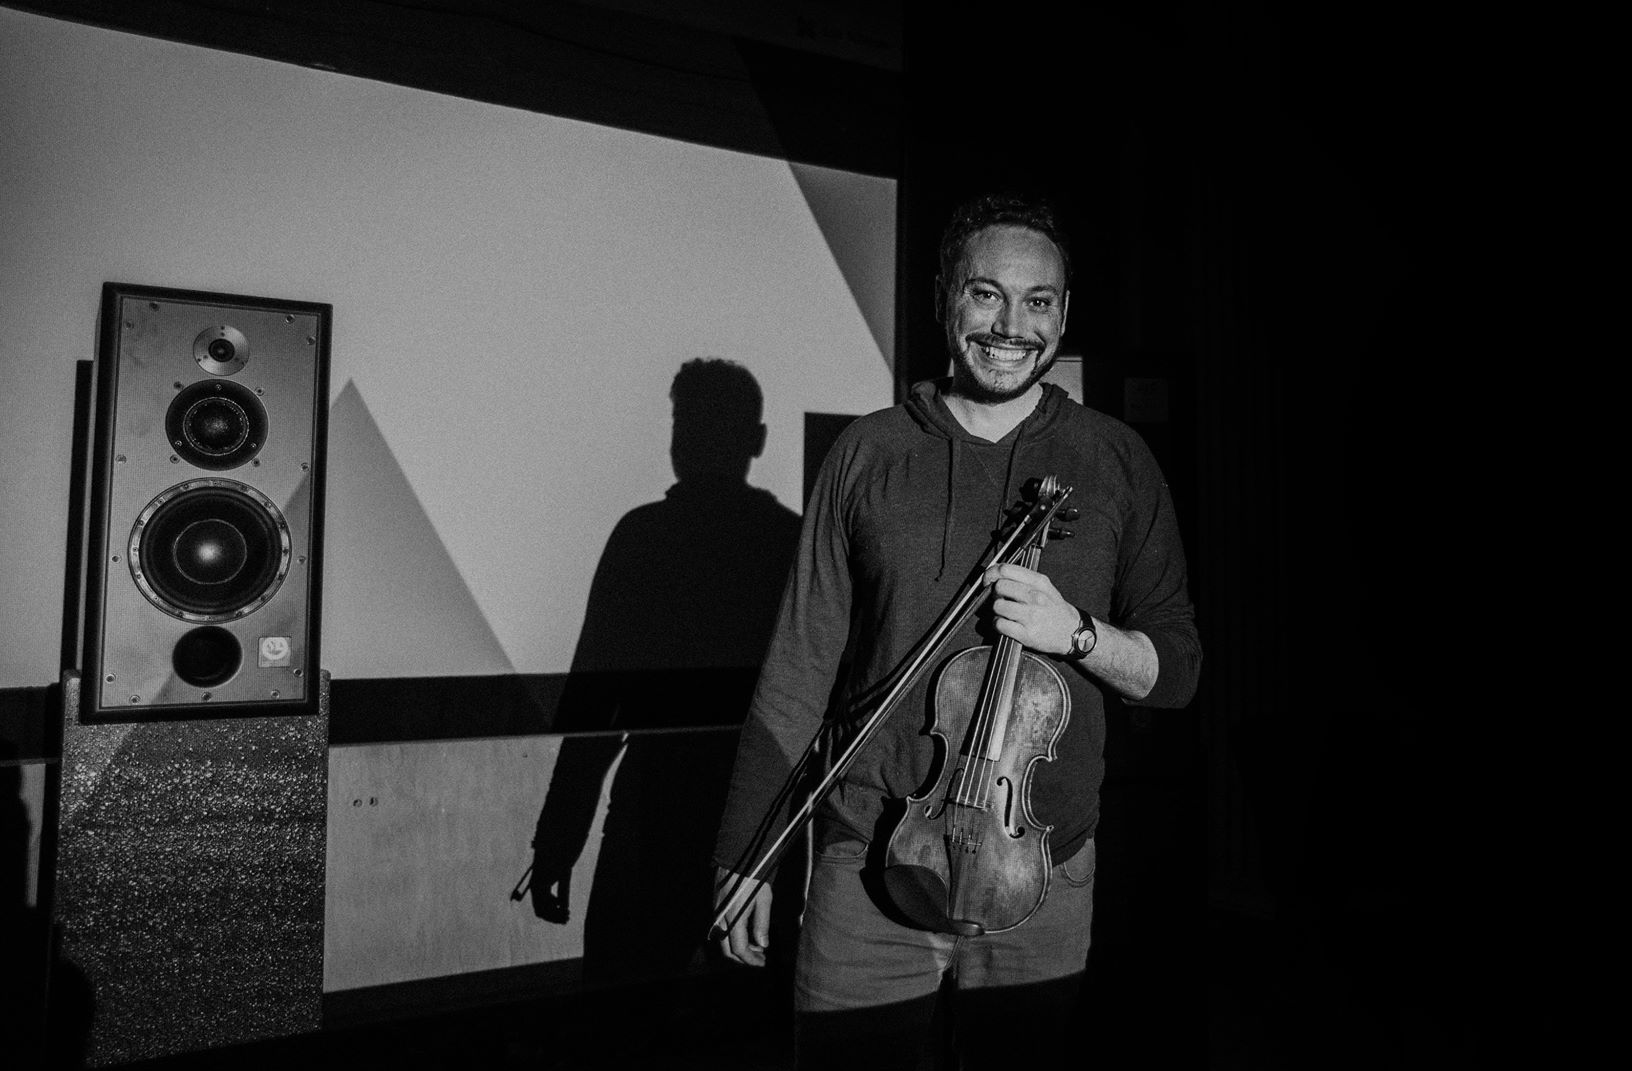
(919, 893)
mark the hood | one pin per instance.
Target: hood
(924, 403)
(928, 409)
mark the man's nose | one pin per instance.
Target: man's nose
(1006, 320)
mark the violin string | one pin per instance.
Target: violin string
(978, 776)
(1006, 658)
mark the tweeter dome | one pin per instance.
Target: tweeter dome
(206, 507)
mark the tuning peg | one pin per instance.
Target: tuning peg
(1068, 513)
(1060, 533)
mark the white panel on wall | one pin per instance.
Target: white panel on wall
(426, 842)
(513, 293)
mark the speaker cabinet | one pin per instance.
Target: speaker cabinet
(206, 506)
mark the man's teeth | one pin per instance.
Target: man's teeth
(1007, 353)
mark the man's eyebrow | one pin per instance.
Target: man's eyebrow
(1040, 288)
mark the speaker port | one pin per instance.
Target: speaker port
(206, 657)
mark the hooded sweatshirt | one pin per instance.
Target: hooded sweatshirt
(903, 510)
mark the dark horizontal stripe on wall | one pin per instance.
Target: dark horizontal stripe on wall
(431, 996)
(549, 1003)
(597, 65)
(408, 709)
(29, 724)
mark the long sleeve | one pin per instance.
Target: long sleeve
(1151, 591)
(798, 677)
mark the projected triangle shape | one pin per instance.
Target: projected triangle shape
(394, 602)
(849, 209)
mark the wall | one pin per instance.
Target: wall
(513, 293)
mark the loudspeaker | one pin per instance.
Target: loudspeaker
(206, 506)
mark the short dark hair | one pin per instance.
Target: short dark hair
(996, 210)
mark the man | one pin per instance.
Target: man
(906, 505)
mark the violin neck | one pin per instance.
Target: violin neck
(997, 696)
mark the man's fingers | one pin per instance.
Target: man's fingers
(742, 948)
(750, 933)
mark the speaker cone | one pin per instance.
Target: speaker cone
(209, 550)
(216, 424)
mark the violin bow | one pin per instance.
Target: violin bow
(746, 886)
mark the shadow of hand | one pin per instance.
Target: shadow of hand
(552, 892)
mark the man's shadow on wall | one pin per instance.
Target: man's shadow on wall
(680, 612)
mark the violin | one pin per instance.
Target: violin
(968, 856)
(933, 890)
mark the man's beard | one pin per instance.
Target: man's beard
(969, 383)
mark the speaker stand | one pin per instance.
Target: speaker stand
(189, 877)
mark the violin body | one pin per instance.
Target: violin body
(968, 857)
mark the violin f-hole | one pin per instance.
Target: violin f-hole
(1014, 831)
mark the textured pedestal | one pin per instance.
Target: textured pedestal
(189, 882)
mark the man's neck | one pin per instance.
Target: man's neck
(992, 420)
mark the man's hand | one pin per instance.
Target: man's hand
(1030, 609)
(750, 934)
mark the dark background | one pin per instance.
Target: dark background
(1320, 229)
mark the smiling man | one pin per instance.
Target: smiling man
(1003, 298)
(903, 511)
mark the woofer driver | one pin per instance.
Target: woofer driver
(209, 550)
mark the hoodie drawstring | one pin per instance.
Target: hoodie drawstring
(951, 503)
(1008, 478)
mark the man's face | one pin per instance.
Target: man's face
(1005, 312)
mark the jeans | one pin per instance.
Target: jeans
(866, 987)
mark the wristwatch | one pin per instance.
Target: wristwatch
(1084, 638)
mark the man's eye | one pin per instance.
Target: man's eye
(983, 295)
(1042, 303)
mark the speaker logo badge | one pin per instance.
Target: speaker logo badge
(275, 651)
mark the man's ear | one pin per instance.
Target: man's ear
(758, 441)
(1065, 309)
(940, 300)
